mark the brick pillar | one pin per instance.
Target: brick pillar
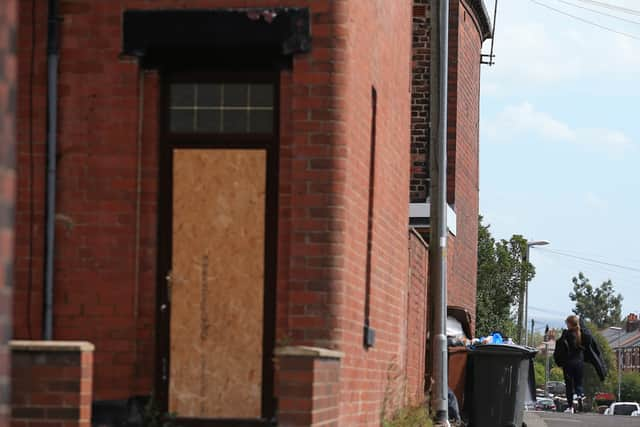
(52, 381)
(7, 189)
(307, 386)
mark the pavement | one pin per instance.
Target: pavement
(559, 419)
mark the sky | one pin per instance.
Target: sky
(560, 145)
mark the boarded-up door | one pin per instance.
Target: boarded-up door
(217, 282)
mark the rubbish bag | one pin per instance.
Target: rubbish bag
(454, 410)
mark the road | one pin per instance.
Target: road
(558, 419)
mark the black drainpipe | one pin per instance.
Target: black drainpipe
(53, 48)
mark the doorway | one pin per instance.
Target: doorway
(217, 247)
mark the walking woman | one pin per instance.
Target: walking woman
(570, 355)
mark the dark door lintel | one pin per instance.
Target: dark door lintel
(153, 34)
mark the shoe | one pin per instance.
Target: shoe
(568, 411)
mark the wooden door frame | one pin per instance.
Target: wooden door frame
(167, 143)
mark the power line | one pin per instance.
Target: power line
(591, 254)
(622, 281)
(619, 275)
(595, 261)
(600, 12)
(586, 21)
(547, 311)
(612, 7)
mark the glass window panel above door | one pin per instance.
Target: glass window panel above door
(183, 95)
(261, 121)
(208, 121)
(182, 121)
(209, 95)
(236, 95)
(261, 95)
(221, 108)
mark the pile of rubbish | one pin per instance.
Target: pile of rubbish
(457, 337)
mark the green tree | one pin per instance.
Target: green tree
(538, 368)
(630, 387)
(599, 305)
(556, 374)
(500, 269)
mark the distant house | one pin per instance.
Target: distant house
(626, 343)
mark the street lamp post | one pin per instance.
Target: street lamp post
(619, 352)
(546, 364)
(525, 290)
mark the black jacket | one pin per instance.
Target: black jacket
(593, 353)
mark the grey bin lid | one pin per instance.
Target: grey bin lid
(504, 350)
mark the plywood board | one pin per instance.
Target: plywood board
(217, 283)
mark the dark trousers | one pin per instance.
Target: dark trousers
(573, 374)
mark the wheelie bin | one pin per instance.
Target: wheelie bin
(500, 379)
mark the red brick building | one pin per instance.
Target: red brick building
(469, 27)
(232, 191)
(8, 71)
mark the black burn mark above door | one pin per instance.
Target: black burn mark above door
(156, 35)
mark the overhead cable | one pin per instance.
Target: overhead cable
(620, 266)
(599, 12)
(586, 21)
(612, 7)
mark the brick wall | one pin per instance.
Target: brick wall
(98, 295)
(29, 246)
(312, 174)
(417, 326)
(464, 153)
(420, 100)
(378, 53)
(468, 28)
(8, 16)
(51, 383)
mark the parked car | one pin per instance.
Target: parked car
(624, 408)
(556, 387)
(545, 404)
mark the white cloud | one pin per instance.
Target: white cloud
(614, 140)
(539, 47)
(526, 52)
(520, 121)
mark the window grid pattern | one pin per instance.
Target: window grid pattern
(221, 108)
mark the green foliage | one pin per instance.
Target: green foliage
(410, 417)
(630, 387)
(600, 306)
(539, 363)
(538, 368)
(500, 273)
(556, 374)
